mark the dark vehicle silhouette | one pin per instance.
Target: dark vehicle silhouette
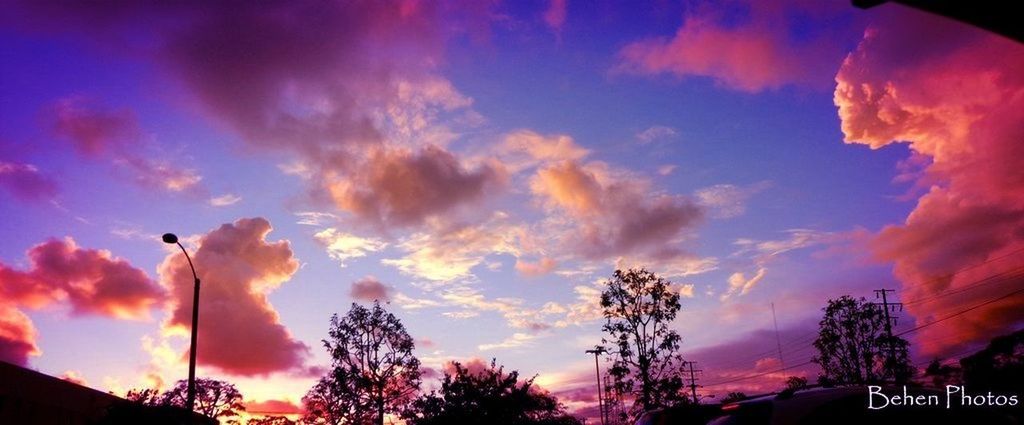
(849, 405)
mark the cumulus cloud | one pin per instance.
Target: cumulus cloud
(613, 214)
(17, 336)
(757, 53)
(525, 149)
(26, 182)
(114, 135)
(75, 377)
(958, 103)
(401, 187)
(344, 89)
(242, 334)
(91, 282)
(370, 289)
(343, 246)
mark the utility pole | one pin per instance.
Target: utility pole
(889, 320)
(611, 399)
(597, 351)
(693, 381)
(778, 342)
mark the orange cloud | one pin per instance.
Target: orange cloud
(272, 407)
(614, 215)
(240, 333)
(953, 94)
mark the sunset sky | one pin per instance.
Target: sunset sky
(483, 167)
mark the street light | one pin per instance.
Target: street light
(598, 350)
(171, 238)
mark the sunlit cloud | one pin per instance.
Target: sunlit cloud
(517, 340)
(343, 246)
(957, 103)
(248, 338)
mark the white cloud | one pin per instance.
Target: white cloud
(225, 200)
(654, 133)
(517, 339)
(344, 246)
(727, 200)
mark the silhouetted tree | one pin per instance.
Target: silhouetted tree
(489, 397)
(214, 398)
(942, 374)
(639, 306)
(794, 383)
(853, 347)
(332, 401)
(373, 361)
(733, 397)
(270, 420)
(999, 367)
(145, 396)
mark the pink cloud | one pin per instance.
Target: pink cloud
(239, 332)
(756, 54)
(91, 281)
(276, 407)
(26, 182)
(952, 93)
(555, 14)
(17, 336)
(542, 267)
(370, 289)
(115, 136)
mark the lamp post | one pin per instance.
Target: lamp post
(171, 238)
(598, 350)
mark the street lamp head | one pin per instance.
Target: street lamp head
(170, 238)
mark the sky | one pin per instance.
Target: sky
(482, 168)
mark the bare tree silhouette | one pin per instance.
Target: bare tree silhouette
(214, 398)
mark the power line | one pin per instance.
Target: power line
(961, 270)
(975, 307)
(961, 312)
(810, 336)
(988, 280)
